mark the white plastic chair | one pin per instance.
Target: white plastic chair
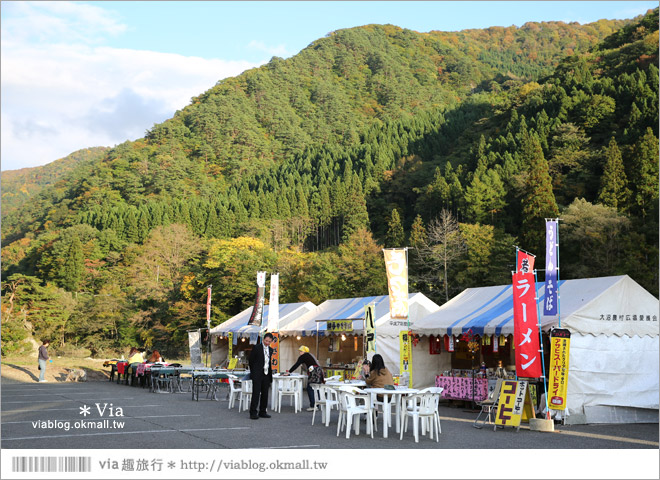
(424, 407)
(334, 378)
(380, 406)
(354, 403)
(325, 399)
(288, 387)
(234, 392)
(245, 395)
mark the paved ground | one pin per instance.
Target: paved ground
(174, 421)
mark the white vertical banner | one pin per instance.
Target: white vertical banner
(257, 311)
(274, 304)
(396, 265)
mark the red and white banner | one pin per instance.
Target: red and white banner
(396, 265)
(524, 262)
(208, 308)
(525, 326)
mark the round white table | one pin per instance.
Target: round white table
(297, 378)
(387, 413)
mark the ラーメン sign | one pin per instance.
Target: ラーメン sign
(396, 266)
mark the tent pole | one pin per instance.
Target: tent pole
(558, 281)
(538, 313)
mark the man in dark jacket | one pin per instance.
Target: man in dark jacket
(261, 374)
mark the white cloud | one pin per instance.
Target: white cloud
(58, 97)
(279, 50)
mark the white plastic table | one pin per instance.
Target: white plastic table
(298, 378)
(387, 413)
(350, 383)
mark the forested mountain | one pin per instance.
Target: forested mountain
(454, 144)
(20, 185)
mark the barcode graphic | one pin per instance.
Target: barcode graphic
(51, 464)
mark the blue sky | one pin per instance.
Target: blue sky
(82, 74)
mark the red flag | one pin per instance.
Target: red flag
(525, 262)
(525, 326)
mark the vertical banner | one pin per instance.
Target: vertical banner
(208, 307)
(275, 357)
(496, 344)
(370, 327)
(550, 303)
(195, 348)
(525, 326)
(405, 355)
(274, 304)
(396, 266)
(258, 310)
(449, 343)
(230, 345)
(560, 343)
(524, 262)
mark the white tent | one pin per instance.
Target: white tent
(387, 329)
(238, 326)
(613, 364)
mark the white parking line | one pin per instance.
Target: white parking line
(286, 446)
(67, 400)
(5, 439)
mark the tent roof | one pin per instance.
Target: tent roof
(584, 306)
(353, 309)
(238, 323)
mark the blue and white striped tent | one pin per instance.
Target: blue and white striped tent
(353, 309)
(238, 324)
(584, 307)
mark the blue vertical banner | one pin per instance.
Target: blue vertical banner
(550, 303)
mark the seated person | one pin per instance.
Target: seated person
(155, 357)
(378, 374)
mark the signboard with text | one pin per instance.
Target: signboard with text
(560, 343)
(340, 325)
(515, 404)
(405, 355)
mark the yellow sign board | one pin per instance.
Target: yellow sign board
(405, 355)
(560, 343)
(275, 358)
(340, 326)
(230, 345)
(232, 363)
(515, 404)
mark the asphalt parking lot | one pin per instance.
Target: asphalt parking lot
(37, 415)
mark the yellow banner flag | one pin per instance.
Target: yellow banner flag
(405, 355)
(560, 343)
(370, 327)
(396, 265)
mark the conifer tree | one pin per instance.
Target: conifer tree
(644, 173)
(73, 266)
(418, 234)
(614, 190)
(538, 200)
(395, 237)
(131, 227)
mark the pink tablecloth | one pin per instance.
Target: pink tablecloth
(146, 367)
(460, 388)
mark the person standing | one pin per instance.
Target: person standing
(43, 359)
(314, 372)
(261, 374)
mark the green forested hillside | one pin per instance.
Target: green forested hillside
(374, 136)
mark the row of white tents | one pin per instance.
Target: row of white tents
(613, 364)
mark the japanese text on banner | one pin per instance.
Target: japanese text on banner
(560, 342)
(550, 303)
(396, 266)
(525, 326)
(274, 304)
(524, 262)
